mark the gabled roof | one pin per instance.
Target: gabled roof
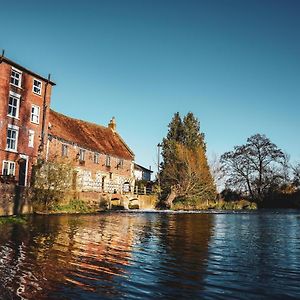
(88, 135)
(141, 168)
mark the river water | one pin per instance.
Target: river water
(150, 255)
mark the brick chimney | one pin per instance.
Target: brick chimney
(112, 124)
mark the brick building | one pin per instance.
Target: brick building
(102, 160)
(29, 129)
(24, 113)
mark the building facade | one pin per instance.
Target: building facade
(142, 173)
(29, 130)
(101, 159)
(24, 115)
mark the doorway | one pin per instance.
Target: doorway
(22, 171)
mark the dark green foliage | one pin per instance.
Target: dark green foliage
(184, 171)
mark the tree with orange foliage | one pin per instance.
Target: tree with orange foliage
(185, 172)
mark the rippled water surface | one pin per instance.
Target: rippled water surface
(152, 256)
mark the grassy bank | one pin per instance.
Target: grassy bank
(12, 220)
(73, 207)
(194, 204)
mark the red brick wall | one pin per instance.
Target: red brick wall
(55, 152)
(23, 122)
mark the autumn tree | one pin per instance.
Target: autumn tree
(255, 168)
(185, 172)
(52, 180)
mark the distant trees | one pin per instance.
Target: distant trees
(255, 168)
(184, 171)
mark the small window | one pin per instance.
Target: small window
(13, 105)
(8, 168)
(12, 138)
(30, 138)
(35, 114)
(107, 161)
(120, 163)
(82, 155)
(37, 87)
(16, 77)
(64, 150)
(96, 158)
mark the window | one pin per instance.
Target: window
(13, 105)
(16, 77)
(82, 155)
(107, 161)
(8, 168)
(120, 163)
(12, 138)
(37, 87)
(35, 114)
(96, 158)
(30, 138)
(64, 150)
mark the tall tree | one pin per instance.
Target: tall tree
(192, 137)
(185, 172)
(255, 167)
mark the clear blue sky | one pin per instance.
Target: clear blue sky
(235, 64)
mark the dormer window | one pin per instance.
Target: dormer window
(37, 87)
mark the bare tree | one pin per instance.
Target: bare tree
(255, 168)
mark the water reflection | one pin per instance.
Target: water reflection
(109, 255)
(151, 256)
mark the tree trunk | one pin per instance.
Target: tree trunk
(170, 199)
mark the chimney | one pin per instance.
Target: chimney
(112, 124)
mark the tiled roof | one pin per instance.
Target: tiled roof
(88, 135)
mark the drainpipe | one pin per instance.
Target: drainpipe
(2, 55)
(41, 147)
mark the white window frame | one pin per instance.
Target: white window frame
(9, 164)
(39, 88)
(16, 129)
(120, 163)
(30, 138)
(16, 97)
(13, 78)
(96, 157)
(108, 160)
(64, 150)
(33, 106)
(81, 154)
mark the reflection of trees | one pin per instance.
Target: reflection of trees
(185, 238)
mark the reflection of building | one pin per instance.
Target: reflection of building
(142, 173)
(24, 113)
(102, 159)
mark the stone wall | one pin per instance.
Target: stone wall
(14, 200)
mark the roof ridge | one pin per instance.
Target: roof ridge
(80, 120)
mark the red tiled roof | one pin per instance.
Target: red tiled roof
(88, 135)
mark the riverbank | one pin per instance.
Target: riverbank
(190, 205)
